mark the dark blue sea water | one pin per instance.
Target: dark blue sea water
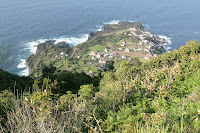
(25, 23)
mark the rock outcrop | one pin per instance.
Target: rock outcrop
(46, 49)
(115, 27)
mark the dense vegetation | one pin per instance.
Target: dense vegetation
(162, 95)
(11, 81)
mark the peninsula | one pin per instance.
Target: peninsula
(115, 42)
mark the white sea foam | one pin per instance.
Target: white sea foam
(24, 72)
(117, 21)
(32, 46)
(22, 64)
(168, 48)
(99, 27)
(146, 26)
(166, 38)
(112, 22)
(72, 40)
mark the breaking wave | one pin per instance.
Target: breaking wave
(166, 38)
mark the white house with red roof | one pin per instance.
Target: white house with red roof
(98, 56)
(120, 48)
(105, 50)
(106, 55)
(146, 41)
(133, 29)
(93, 53)
(124, 44)
(102, 60)
(147, 57)
(140, 42)
(123, 57)
(69, 69)
(149, 54)
(151, 43)
(127, 50)
(133, 33)
(146, 50)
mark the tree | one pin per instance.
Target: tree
(48, 69)
(136, 62)
(109, 65)
(86, 92)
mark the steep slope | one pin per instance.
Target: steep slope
(161, 94)
(48, 53)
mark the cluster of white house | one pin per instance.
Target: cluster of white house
(62, 55)
(143, 41)
(147, 50)
(144, 35)
(101, 56)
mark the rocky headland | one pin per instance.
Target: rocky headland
(115, 27)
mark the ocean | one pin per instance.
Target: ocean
(24, 24)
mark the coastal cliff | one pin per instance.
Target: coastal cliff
(46, 54)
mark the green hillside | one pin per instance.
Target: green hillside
(158, 96)
(115, 42)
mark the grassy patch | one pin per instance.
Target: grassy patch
(47, 61)
(97, 47)
(130, 43)
(35, 74)
(81, 62)
(116, 64)
(143, 60)
(86, 54)
(63, 67)
(58, 64)
(74, 65)
(120, 42)
(94, 69)
(85, 69)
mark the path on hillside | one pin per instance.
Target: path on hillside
(128, 53)
(70, 58)
(73, 53)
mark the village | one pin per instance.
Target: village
(146, 46)
(124, 51)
